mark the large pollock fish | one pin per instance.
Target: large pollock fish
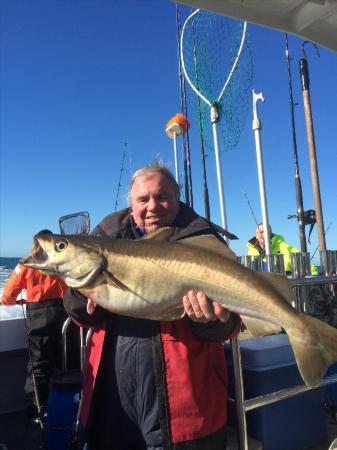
(147, 278)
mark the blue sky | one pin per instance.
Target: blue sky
(80, 78)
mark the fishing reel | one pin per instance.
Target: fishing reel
(309, 218)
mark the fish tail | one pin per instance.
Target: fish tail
(315, 348)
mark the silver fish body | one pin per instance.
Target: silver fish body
(147, 278)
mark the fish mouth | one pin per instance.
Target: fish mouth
(38, 257)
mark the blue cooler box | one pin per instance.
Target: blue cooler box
(62, 409)
(268, 365)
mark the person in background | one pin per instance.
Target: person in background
(256, 247)
(45, 316)
(151, 385)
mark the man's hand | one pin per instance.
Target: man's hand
(200, 308)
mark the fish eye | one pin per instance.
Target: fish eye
(60, 245)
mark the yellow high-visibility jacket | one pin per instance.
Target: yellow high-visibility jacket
(278, 246)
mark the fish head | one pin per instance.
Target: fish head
(68, 257)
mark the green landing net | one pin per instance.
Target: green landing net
(217, 59)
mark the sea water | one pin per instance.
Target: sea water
(7, 265)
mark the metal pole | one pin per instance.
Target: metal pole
(298, 184)
(176, 157)
(239, 395)
(305, 81)
(259, 158)
(214, 119)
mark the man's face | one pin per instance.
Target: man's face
(260, 235)
(154, 202)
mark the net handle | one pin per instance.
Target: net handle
(243, 37)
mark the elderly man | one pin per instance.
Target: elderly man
(149, 384)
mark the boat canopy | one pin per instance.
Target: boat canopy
(312, 20)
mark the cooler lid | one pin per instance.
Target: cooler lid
(264, 352)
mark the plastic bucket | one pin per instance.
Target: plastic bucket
(62, 408)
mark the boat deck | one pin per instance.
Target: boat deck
(16, 433)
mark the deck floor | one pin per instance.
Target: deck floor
(18, 434)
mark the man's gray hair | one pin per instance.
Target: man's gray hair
(155, 167)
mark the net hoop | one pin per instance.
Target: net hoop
(236, 60)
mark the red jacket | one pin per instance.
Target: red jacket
(39, 286)
(195, 375)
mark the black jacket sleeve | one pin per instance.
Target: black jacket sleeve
(215, 330)
(76, 306)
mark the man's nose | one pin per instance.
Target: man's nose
(153, 204)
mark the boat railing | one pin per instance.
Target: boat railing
(85, 334)
(300, 284)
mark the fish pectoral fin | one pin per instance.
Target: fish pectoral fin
(314, 349)
(113, 281)
(280, 283)
(162, 234)
(259, 327)
(171, 314)
(210, 243)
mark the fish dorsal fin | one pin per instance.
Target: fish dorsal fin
(162, 234)
(211, 244)
(280, 283)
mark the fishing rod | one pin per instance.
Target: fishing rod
(305, 82)
(186, 141)
(298, 184)
(251, 209)
(202, 147)
(325, 232)
(120, 175)
(40, 420)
